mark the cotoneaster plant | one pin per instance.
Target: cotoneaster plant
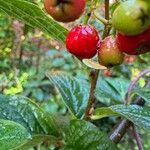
(132, 17)
(109, 54)
(65, 10)
(83, 41)
(134, 45)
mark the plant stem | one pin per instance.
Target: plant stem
(89, 13)
(39, 147)
(94, 78)
(131, 86)
(94, 74)
(101, 19)
(120, 129)
(107, 9)
(137, 138)
(107, 26)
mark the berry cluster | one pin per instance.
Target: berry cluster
(131, 19)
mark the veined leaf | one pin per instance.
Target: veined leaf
(82, 135)
(74, 92)
(140, 116)
(112, 88)
(12, 135)
(24, 111)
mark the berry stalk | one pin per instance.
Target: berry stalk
(95, 74)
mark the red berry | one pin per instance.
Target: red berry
(83, 41)
(65, 10)
(134, 45)
(109, 54)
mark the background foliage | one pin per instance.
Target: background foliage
(32, 51)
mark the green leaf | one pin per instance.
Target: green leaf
(12, 135)
(113, 88)
(140, 116)
(74, 92)
(103, 112)
(32, 15)
(144, 93)
(24, 111)
(82, 135)
(35, 141)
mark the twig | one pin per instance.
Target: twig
(131, 86)
(137, 138)
(94, 75)
(107, 26)
(107, 9)
(120, 129)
